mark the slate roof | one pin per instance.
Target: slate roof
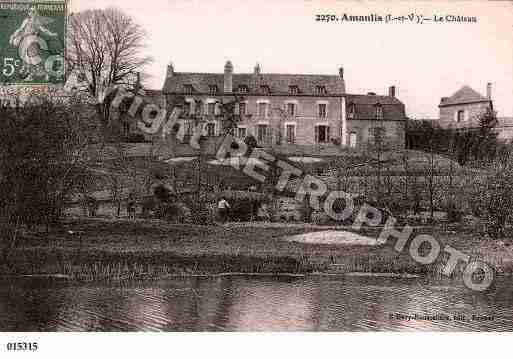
(277, 83)
(365, 107)
(504, 122)
(153, 96)
(464, 95)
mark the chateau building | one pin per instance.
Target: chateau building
(464, 108)
(289, 108)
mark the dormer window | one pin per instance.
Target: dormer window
(265, 89)
(293, 90)
(188, 89)
(320, 90)
(212, 89)
(379, 112)
(352, 111)
(243, 89)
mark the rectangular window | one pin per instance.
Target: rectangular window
(290, 133)
(293, 90)
(352, 111)
(211, 129)
(291, 109)
(264, 89)
(262, 109)
(188, 127)
(212, 89)
(322, 110)
(379, 112)
(211, 108)
(461, 115)
(187, 108)
(241, 132)
(262, 132)
(188, 89)
(126, 128)
(378, 134)
(198, 108)
(320, 90)
(322, 134)
(352, 139)
(242, 108)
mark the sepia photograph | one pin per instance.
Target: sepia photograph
(255, 166)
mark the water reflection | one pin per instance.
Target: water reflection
(251, 304)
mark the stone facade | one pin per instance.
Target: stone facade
(288, 108)
(464, 108)
(393, 132)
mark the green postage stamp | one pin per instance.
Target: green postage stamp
(32, 42)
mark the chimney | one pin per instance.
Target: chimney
(391, 91)
(257, 69)
(228, 76)
(489, 90)
(342, 81)
(170, 70)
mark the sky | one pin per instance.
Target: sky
(424, 61)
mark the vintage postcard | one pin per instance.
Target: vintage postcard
(32, 42)
(306, 166)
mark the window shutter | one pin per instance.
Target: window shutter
(456, 116)
(217, 109)
(316, 134)
(327, 134)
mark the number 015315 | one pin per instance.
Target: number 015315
(22, 346)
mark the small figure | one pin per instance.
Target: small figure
(130, 208)
(263, 213)
(223, 208)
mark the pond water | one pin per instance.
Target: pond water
(254, 303)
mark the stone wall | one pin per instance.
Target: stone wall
(472, 111)
(394, 134)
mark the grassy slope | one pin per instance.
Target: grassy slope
(154, 250)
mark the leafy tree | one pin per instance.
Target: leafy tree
(466, 145)
(43, 160)
(491, 198)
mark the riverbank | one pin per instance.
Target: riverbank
(102, 249)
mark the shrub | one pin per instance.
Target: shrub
(200, 212)
(251, 142)
(136, 137)
(491, 199)
(244, 209)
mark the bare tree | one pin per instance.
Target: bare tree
(105, 49)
